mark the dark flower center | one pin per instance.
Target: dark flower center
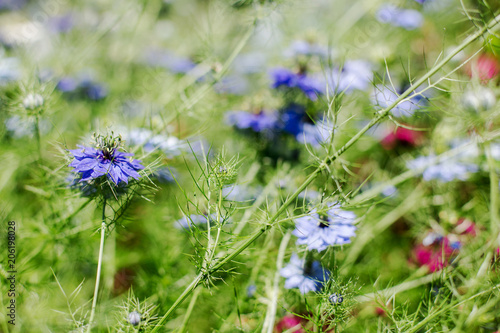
(108, 154)
(324, 221)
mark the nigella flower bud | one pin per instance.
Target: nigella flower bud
(479, 99)
(134, 318)
(32, 101)
(336, 299)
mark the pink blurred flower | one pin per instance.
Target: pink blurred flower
(288, 322)
(435, 256)
(401, 136)
(485, 68)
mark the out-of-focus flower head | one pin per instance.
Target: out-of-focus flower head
(315, 134)
(354, 75)
(479, 99)
(305, 48)
(309, 85)
(170, 145)
(445, 171)
(383, 97)
(288, 322)
(84, 85)
(257, 122)
(320, 230)
(408, 19)
(401, 136)
(232, 84)
(239, 193)
(186, 222)
(306, 278)
(485, 67)
(168, 60)
(435, 251)
(12, 4)
(62, 24)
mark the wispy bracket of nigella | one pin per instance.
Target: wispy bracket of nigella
(106, 160)
(320, 230)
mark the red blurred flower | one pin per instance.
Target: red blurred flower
(485, 67)
(288, 322)
(401, 136)
(435, 256)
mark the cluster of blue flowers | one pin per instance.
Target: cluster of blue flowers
(83, 85)
(318, 231)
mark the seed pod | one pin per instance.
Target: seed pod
(32, 101)
(134, 318)
(336, 298)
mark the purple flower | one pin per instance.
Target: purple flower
(405, 18)
(301, 47)
(258, 122)
(315, 134)
(305, 278)
(94, 90)
(310, 86)
(383, 96)
(93, 163)
(318, 231)
(232, 84)
(186, 222)
(62, 24)
(166, 59)
(67, 84)
(445, 171)
(354, 75)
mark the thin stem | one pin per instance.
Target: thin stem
(189, 310)
(493, 191)
(38, 137)
(99, 264)
(328, 160)
(273, 301)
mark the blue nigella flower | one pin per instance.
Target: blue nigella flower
(318, 231)
(354, 75)
(193, 219)
(305, 278)
(304, 48)
(170, 145)
(310, 86)
(405, 18)
(315, 134)
(383, 96)
(444, 171)
(232, 84)
(93, 163)
(12, 4)
(168, 60)
(258, 122)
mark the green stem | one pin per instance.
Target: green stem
(38, 137)
(189, 310)
(493, 191)
(99, 265)
(328, 160)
